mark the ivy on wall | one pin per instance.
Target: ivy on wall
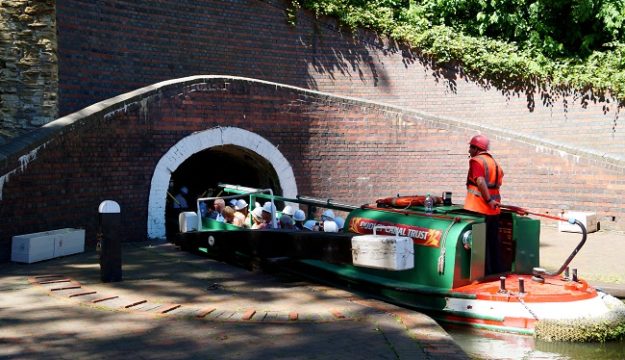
(510, 43)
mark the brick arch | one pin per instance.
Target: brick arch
(204, 140)
(347, 149)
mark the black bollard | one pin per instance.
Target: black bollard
(502, 284)
(110, 241)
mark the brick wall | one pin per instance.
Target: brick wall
(559, 149)
(110, 47)
(352, 151)
(106, 48)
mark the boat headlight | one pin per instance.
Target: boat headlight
(467, 239)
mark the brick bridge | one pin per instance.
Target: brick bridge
(204, 129)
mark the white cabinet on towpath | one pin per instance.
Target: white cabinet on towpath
(29, 248)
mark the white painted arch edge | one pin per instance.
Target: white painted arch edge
(200, 141)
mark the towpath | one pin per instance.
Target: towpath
(601, 260)
(174, 305)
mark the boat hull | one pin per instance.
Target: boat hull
(484, 304)
(447, 277)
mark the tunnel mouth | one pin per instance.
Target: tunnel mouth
(202, 173)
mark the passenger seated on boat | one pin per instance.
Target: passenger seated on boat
(311, 225)
(228, 215)
(299, 217)
(257, 218)
(340, 223)
(218, 207)
(327, 215)
(286, 222)
(241, 214)
(328, 226)
(288, 211)
(268, 213)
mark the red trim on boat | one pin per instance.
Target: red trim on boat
(554, 289)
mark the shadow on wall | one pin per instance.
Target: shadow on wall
(548, 96)
(373, 60)
(347, 59)
(316, 54)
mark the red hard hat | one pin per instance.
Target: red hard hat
(480, 142)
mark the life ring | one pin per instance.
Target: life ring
(406, 201)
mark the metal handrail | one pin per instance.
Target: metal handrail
(306, 200)
(241, 190)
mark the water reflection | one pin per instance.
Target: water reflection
(480, 344)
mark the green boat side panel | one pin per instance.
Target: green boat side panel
(211, 224)
(478, 251)
(527, 238)
(441, 263)
(470, 264)
(430, 298)
(430, 235)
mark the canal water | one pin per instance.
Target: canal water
(480, 344)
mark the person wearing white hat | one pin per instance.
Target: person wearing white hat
(241, 205)
(327, 215)
(286, 222)
(269, 210)
(311, 225)
(299, 216)
(330, 226)
(257, 217)
(340, 222)
(241, 214)
(288, 211)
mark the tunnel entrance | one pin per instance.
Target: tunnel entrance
(204, 171)
(205, 158)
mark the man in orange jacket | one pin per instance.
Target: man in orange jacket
(483, 182)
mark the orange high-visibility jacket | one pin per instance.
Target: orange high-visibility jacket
(493, 174)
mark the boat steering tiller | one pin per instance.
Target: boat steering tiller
(539, 272)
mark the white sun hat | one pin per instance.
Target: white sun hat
(240, 205)
(299, 215)
(288, 210)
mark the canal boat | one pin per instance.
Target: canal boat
(430, 261)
